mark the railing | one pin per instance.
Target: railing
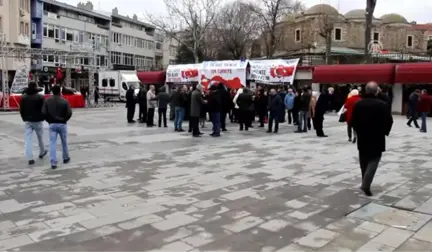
(37, 37)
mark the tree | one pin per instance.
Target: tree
(188, 22)
(236, 27)
(270, 13)
(370, 8)
(327, 23)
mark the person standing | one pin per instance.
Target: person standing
(151, 106)
(352, 99)
(163, 100)
(413, 107)
(57, 113)
(289, 105)
(322, 106)
(226, 105)
(282, 94)
(179, 102)
(130, 104)
(244, 104)
(197, 102)
(304, 103)
(261, 103)
(372, 120)
(274, 107)
(31, 114)
(312, 106)
(142, 103)
(424, 106)
(215, 108)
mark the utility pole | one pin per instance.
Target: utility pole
(5, 75)
(370, 8)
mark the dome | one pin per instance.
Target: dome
(322, 9)
(290, 18)
(356, 14)
(393, 18)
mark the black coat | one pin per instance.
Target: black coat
(130, 98)
(245, 101)
(323, 104)
(261, 102)
(372, 121)
(214, 100)
(275, 104)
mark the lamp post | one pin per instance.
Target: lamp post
(4, 67)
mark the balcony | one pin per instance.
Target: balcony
(36, 39)
(37, 12)
(23, 39)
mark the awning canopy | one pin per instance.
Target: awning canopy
(414, 73)
(345, 74)
(154, 77)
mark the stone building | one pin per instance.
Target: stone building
(302, 34)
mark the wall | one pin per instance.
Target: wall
(397, 98)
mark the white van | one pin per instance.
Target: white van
(114, 84)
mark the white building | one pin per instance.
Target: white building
(15, 30)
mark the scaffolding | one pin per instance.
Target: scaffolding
(69, 56)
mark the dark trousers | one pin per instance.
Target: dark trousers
(150, 116)
(194, 125)
(261, 117)
(130, 112)
(318, 121)
(423, 121)
(223, 115)
(413, 118)
(368, 165)
(350, 132)
(243, 117)
(215, 119)
(309, 124)
(282, 116)
(273, 118)
(162, 114)
(143, 112)
(292, 117)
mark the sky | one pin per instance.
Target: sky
(418, 10)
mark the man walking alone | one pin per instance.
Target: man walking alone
(372, 121)
(57, 113)
(31, 113)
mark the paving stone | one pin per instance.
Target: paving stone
(317, 239)
(174, 222)
(374, 246)
(393, 237)
(274, 225)
(425, 233)
(243, 224)
(15, 242)
(415, 245)
(371, 226)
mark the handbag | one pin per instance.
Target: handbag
(342, 118)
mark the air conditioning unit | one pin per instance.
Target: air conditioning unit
(22, 12)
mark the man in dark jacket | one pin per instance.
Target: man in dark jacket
(322, 106)
(142, 102)
(215, 108)
(424, 107)
(282, 94)
(261, 103)
(197, 102)
(295, 109)
(179, 101)
(163, 100)
(57, 113)
(303, 108)
(372, 121)
(130, 104)
(226, 102)
(274, 107)
(245, 108)
(413, 102)
(31, 114)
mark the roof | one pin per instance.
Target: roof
(345, 74)
(393, 18)
(425, 27)
(356, 14)
(131, 20)
(322, 9)
(79, 10)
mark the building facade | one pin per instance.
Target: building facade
(15, 31)
(305, 33)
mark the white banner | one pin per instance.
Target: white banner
(21, 78)
(183, 73)
(232, 73)
(277, 71)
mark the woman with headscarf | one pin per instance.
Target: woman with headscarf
(352, 99)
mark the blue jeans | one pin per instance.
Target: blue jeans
(215, 118)
(29, 128)
(302, 121)
(423, 121)
(61, 130)
(178, 117)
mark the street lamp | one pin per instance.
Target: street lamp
(5, 79)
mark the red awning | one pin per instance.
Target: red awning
(414, 73)
(154, 77)
(346, 74)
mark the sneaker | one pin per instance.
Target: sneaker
(65, 161)
(53, 167)
(31, 162)
(43, 154)
(180, 130)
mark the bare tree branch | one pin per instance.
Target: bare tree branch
(187, 22)
(326, 26)
(270, 13)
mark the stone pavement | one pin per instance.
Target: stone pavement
(130, 188)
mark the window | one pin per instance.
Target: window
(26, 29)
(69, 35)
(297, 35)
(76, 36)
(104, 82)
(410, 41)
(1, 23)
(376, 36)
(33, 29)
(63, 34)
(112, 83)
(429, 37)
(116, 37)
(21, 27)
(124, 86)
(45, 30)
(51, 31)
(81, 37)
(337, 34)
(56, 33)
